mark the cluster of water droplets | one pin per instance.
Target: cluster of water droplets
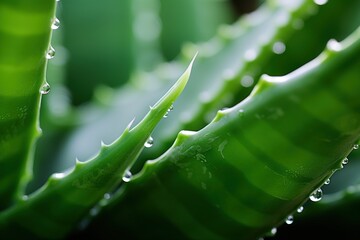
(168, 111)
(50, 54)
(315, 196)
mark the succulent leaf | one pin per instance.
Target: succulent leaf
(254, 164)
(67, 197)
(25, 32)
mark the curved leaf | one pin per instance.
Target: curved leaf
(25, 31)
(55, 209)
(254, 164)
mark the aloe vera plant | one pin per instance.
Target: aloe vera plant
(225, 152)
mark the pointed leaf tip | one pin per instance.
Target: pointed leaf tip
(178, 87)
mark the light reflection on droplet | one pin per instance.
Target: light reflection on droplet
(279, 47)
(289, 220)
(55, 24)
(247, 81)
(149, 142)
(316, 195)
(327, 181)
(345, 161)
(320, 2)
(50, 53)
(300, 209)
(127, 176)
(45, 89)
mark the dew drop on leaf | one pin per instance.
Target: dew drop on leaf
(55, 24)
(149, 142)
(345, 161)
(279, 47)
(45, 89)
(334, 45)
(273, 231)
(327, 181)
(50, 53)
(25, 197)
(169, 110)
(289, 219)
(300, 209)
(247, 81)
(127, 176)
(107, 196)
(320, 2)
(316, 195)
(356, 146)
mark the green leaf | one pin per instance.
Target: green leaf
(221, 66)
(55, 209)
(255, 163)
(25, 31)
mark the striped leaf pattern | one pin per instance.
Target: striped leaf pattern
(254, 164)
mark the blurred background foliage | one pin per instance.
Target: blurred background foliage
(103, 48)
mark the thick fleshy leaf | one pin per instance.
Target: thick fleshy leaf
(58, 207)
(238, 51)
(254, 164)
(25, 32)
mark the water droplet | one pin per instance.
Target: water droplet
(107, 196)
(149, 142)
(45, 89)
(327, 182)
(279, 47)
(356, 146)
(127, 176)
(334, 45)
(289, 219)
(273, 231)
(25, 197)
(50, 53)
(169, 110)
(316, 195)
(300, 209)
(250, 55)
(55, 24)
(59, 175)
(345, 161)
(247, 81)
(320, 2)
